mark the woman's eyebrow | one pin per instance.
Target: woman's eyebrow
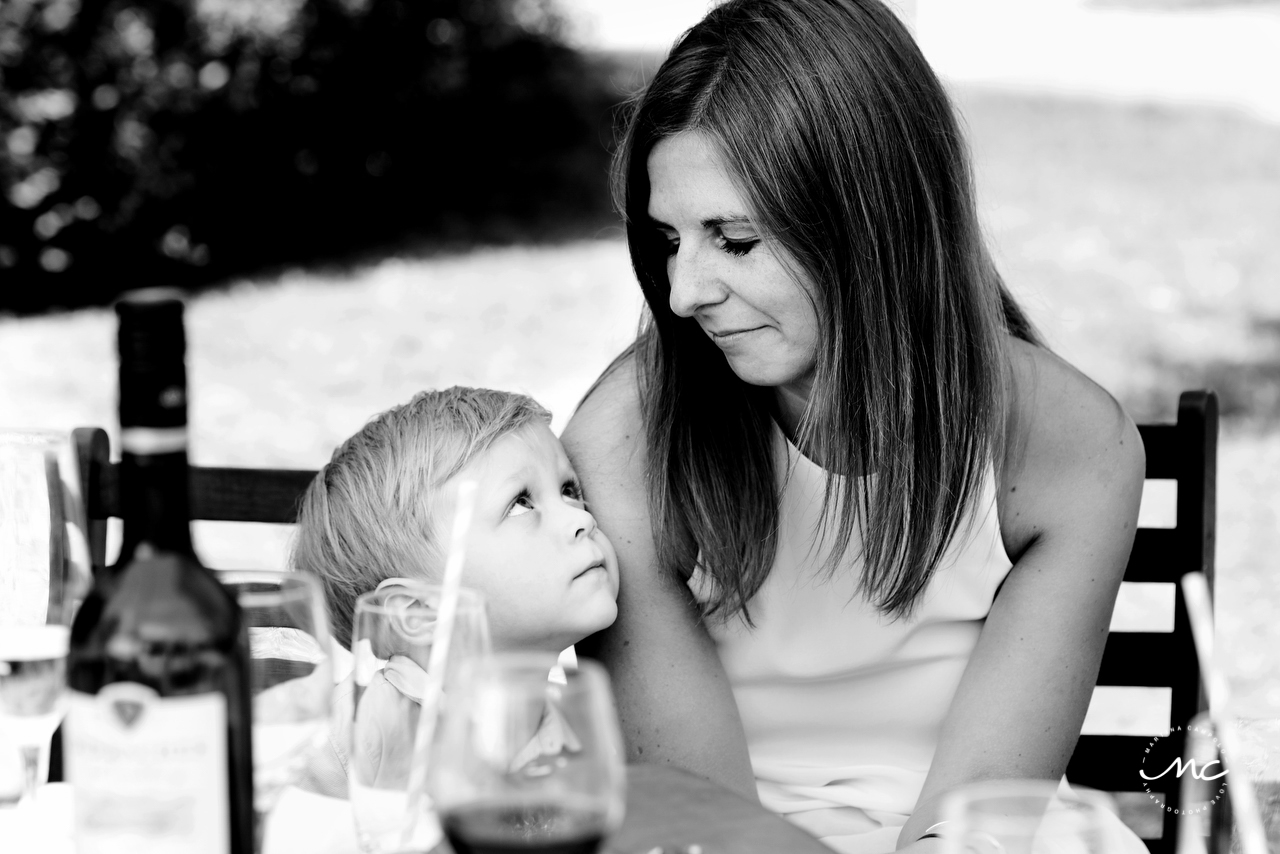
(710, 222)
(717, 221)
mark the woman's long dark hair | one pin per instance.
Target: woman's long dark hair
(846, 148)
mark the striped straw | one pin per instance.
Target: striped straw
(1244, 803)
(439, 657)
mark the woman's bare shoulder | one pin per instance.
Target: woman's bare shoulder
(665, 668)
(1069, 446)
(607, 430)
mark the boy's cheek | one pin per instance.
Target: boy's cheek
(610, 560)
(615, 576)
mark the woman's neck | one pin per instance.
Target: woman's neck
(792, 401)
(791, 404)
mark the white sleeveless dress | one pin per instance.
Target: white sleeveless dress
(842, 706)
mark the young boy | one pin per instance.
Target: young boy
(382, 510)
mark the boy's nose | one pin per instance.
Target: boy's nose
(585, 526)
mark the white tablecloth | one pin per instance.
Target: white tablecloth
(301, 823)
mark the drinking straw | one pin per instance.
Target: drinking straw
(449, 589)
(1195, 592)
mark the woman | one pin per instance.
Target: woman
(870, 531)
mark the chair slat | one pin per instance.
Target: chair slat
(1111, 763)
(222, 494)
(93, 452)
(1159, 554)
(1165, 450)
(270, 672)
(1146, 659)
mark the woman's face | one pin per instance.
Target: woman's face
(725, 273)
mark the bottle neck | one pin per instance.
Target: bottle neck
(154, 500)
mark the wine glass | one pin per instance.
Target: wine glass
(392, 634)
(1257, 741)
(524, 762)
(291, 678)
(1220, 810)
(44, 558)
(43, 575)
(1028, 817)
(33, 678)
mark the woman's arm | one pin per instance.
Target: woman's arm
(674, 701)
(1068, 502)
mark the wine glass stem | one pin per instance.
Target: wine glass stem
(30, 770)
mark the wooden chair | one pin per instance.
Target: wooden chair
(1187, 453)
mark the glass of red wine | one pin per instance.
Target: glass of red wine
(528, 757)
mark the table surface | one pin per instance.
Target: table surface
(666, 808)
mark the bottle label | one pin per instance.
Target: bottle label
(154, 440)
(150, 772)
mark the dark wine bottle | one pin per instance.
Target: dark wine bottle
(157, 737)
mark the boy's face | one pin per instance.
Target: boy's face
(549, 575)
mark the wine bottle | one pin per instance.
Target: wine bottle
(158, 729)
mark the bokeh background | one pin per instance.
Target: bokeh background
(365, 198)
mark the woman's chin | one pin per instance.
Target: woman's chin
(764, 373)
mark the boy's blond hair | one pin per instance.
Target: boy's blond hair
(372, 512)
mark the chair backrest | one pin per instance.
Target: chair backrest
(1185, 452)
(217, 494)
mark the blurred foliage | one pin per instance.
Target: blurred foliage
(184, 141)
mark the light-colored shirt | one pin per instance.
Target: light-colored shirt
(842, 705)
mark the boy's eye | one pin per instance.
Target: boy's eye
(573, 491)
(522, 504)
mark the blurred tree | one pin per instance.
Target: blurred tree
(185, 141)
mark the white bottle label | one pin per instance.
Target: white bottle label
(150, 772)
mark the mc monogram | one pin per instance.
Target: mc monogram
(1199, 774)
(1195, 755)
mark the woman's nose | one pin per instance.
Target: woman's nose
(693, 285)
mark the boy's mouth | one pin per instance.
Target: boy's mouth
(597, 565)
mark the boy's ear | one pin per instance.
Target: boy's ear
(394, 583)
(402, 594)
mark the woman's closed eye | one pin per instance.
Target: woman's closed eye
(738, 247)
(735, 246)
(670, 243)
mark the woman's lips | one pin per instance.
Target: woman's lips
(732, 336)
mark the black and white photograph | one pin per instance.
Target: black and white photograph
(640, 426)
